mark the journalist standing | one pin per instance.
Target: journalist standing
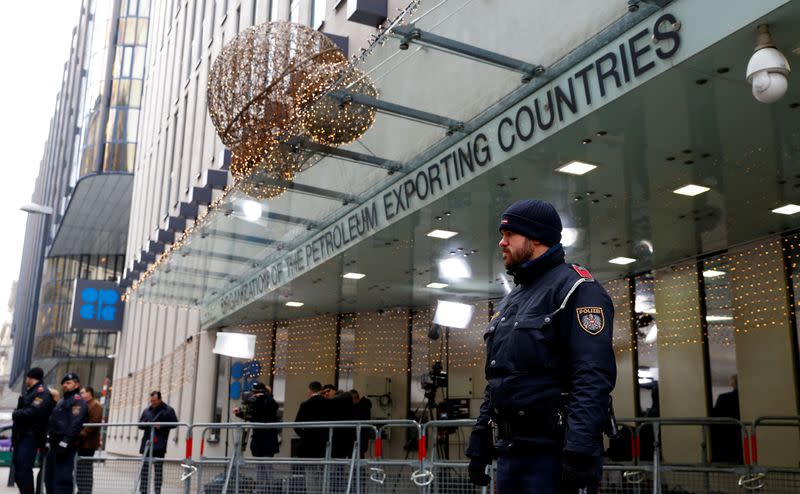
(549, 365)
(156, 436)
(30, 428)
(89, 441)
(65, 426)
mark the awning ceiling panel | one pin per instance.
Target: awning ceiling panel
(96, 218)
(669, 132)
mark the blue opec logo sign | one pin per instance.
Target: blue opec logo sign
(97, 305)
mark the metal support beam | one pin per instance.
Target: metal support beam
(411, 34)
(451, 125)
(314, 191)
(633, 5)
(216, 255)
(392, 166)
(284, 218)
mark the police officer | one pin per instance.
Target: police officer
(66, 423)
(30, 428)
(549, 365)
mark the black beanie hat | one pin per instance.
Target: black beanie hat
(535, 219)
(36, 373)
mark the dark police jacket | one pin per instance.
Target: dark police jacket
(548, 351)
(162, 413)
(32, 414)
(67, 419)
(261, 407)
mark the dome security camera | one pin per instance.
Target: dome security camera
(768, 70)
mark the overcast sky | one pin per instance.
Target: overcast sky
(34, 45)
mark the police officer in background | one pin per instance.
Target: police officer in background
(66, 423)
(549, 365)
(30, 428)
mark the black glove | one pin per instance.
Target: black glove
(477, 472)
(578, 472)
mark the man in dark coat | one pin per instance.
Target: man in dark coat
(157, 437)
(362, 410)
(30, 428)
(341, 409)
(261, 407)
(64, 430)
(314, 409)
(726, 440)
(550, 366)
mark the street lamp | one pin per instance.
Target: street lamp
(47, 212)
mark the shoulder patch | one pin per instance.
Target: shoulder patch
(76, 410)
(582, 272)
(40, 389)
(37, 402)
(591, 319)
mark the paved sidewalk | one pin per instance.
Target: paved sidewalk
(4, 480)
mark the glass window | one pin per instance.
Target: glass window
(347, 351)
(136, 93)
(130, 34)
(127, 61)
(294, 11)
(274, 14)
(137, 70)
(646, 342)
(120, 91)
(281, 363)
(720, 324)
(132, 126)
(141, 31)
(318, 13)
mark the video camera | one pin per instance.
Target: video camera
(435, 379)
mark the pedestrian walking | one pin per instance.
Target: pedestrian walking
(64, 430)
(154, 441)
(29, 430)
(549, 365)
(89, 441)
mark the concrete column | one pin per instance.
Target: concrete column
(764, 347)
(681, 361)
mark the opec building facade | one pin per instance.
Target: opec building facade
(678, 177)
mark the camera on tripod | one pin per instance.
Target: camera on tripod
(435, 379)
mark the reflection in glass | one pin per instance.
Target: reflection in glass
(720, 323)
(646, 342)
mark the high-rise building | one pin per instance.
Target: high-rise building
(84, 185)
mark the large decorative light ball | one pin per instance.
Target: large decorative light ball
(261, 177)
(328, 120)
(252, 84)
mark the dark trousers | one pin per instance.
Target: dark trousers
(58, 469)
(534, 473)
(158, 473)
(84, 471)
(24, 457)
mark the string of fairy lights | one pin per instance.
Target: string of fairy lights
(255, 108)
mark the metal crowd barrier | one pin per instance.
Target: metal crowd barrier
(227, 469)
(237, 473)
(144, 474)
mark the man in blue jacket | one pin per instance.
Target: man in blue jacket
(156, 436)
(549, 365)
(64, 431)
